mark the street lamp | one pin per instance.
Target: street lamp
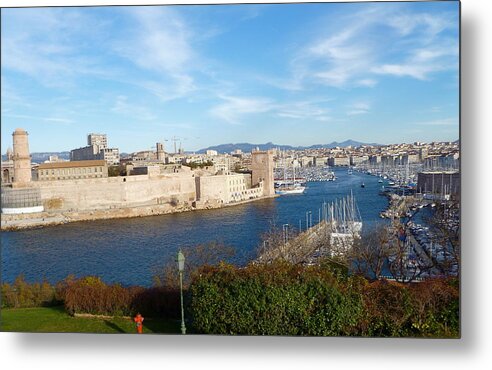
(286, 233)
(181, 261)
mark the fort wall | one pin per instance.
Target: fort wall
(116, 192)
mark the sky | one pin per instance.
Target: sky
(203, 75)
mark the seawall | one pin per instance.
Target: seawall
(45, 219)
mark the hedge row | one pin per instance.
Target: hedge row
(21, 294)
(283, 299)
(91, 295)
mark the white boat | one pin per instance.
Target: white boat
(287, 187)
(285, 190)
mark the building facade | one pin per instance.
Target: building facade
(439, 182)
(21, 157)
(262, 171)
(97, 148)
(339, 161)
(72, 170)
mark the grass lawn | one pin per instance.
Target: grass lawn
(56, 320)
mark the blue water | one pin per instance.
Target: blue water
(128, 250)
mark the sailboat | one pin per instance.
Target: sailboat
(345, 223)
(293, 187)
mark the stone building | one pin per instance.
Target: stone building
(21, 157)
(320, 161)
(72, 170)
(439, 182)
(262, 171)
(8, 168)
(97, 148)
(160, 154)
(339, 161)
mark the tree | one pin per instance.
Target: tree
(209, 254)
(370, 253)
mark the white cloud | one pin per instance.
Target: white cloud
(389, 40)
(422, 62)
(139, 112)
(234, 108)
(358, 108)
(44, 44)
(161, 43)
(440, 122)
(303, 110)
(367, 82)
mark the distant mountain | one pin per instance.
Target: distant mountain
(247, 147)
(40, 157)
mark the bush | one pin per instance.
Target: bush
(276, 299)
(426, 309)
(21, 294)
(284, 299)
(92, 296)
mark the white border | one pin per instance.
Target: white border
(79, 351)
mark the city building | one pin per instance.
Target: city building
(72, 170)
(439, 182)
(339, 161)
(97, 148)
(320, 161)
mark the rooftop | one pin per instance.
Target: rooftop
(71, 164)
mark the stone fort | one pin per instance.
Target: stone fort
(182, 189)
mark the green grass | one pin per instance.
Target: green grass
(56, 320)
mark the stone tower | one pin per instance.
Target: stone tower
(160, 152)
(262, 170)
(21, 157)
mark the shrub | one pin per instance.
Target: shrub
(21, 294)
(91, 295)
(284, 299)
(276, 299)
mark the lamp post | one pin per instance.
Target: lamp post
(286, 233)
(181, 261)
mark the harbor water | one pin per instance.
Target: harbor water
(128, 251)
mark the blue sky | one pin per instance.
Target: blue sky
(297, 74)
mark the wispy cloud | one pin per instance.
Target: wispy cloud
(53, 120)
(160, 42)
(303, 110)
(125, 107)
(367, 82)
(379, 40)
(423, 62)
(233, 108)
(359, 108)
(440, 122)
(45, 45)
